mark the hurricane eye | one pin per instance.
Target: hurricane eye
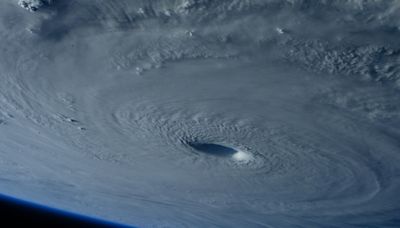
(214, 149)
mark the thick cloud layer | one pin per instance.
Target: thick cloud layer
(176, 113)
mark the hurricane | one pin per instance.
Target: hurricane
(203, 113)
